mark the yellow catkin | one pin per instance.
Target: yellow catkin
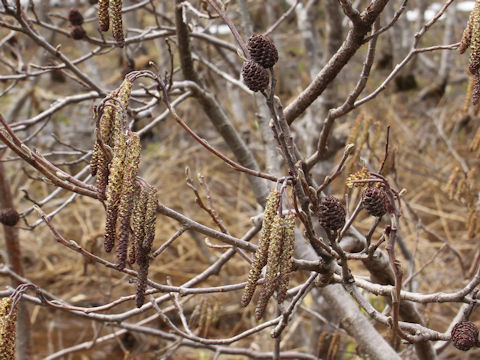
(467, 35)
(138, 218)
(145, 245)
(114, 189)
(127, 193)
(286, 260)
(468, 95)
(117, 26)
(361, 174)
(277, 235)
(105, 122)
(150, 218)
(123, 96)
(476, 89)
(103, 17)
(94, 159)
(99, 162)
(110, 128)
(475, 40)
(261, 254)
(7, 329)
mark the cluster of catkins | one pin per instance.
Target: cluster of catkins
(8, 320)
(263, 55)
(115, 16)
(274, 251)
(130, 202)
(471, 38)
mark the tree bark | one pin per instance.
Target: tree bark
(14, 253)
(348, 313)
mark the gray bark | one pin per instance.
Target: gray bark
(349, 315)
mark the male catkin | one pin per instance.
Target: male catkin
(125, 206)
(261, 254)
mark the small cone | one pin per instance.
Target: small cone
(75, 17)
(254, 76)
(375, 200)
(464, 335)
(262, 50)
(9, 217)
(331, 213)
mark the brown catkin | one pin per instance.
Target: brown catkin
(286, 260)
(273, 263)
(132, 253)
(145, 246)
(476, 90)
(467, 35)
(141, 280)
(125, 206)
(475, 40)
(261, 254)
(117, 26)
(94, 159)
(99, 161)
(7, 329)
(138, 218)
(103, 17)
(106, 121)
(123, 96)
(114, 189)
(150, 219)
(102, 177)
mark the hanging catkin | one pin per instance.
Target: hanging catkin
(103, 17)
(261, 254)
(114, 189)
(273, 264)
(125, 206)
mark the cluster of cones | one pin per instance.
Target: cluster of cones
(331, 212)
(76, 21)
(263, 55)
